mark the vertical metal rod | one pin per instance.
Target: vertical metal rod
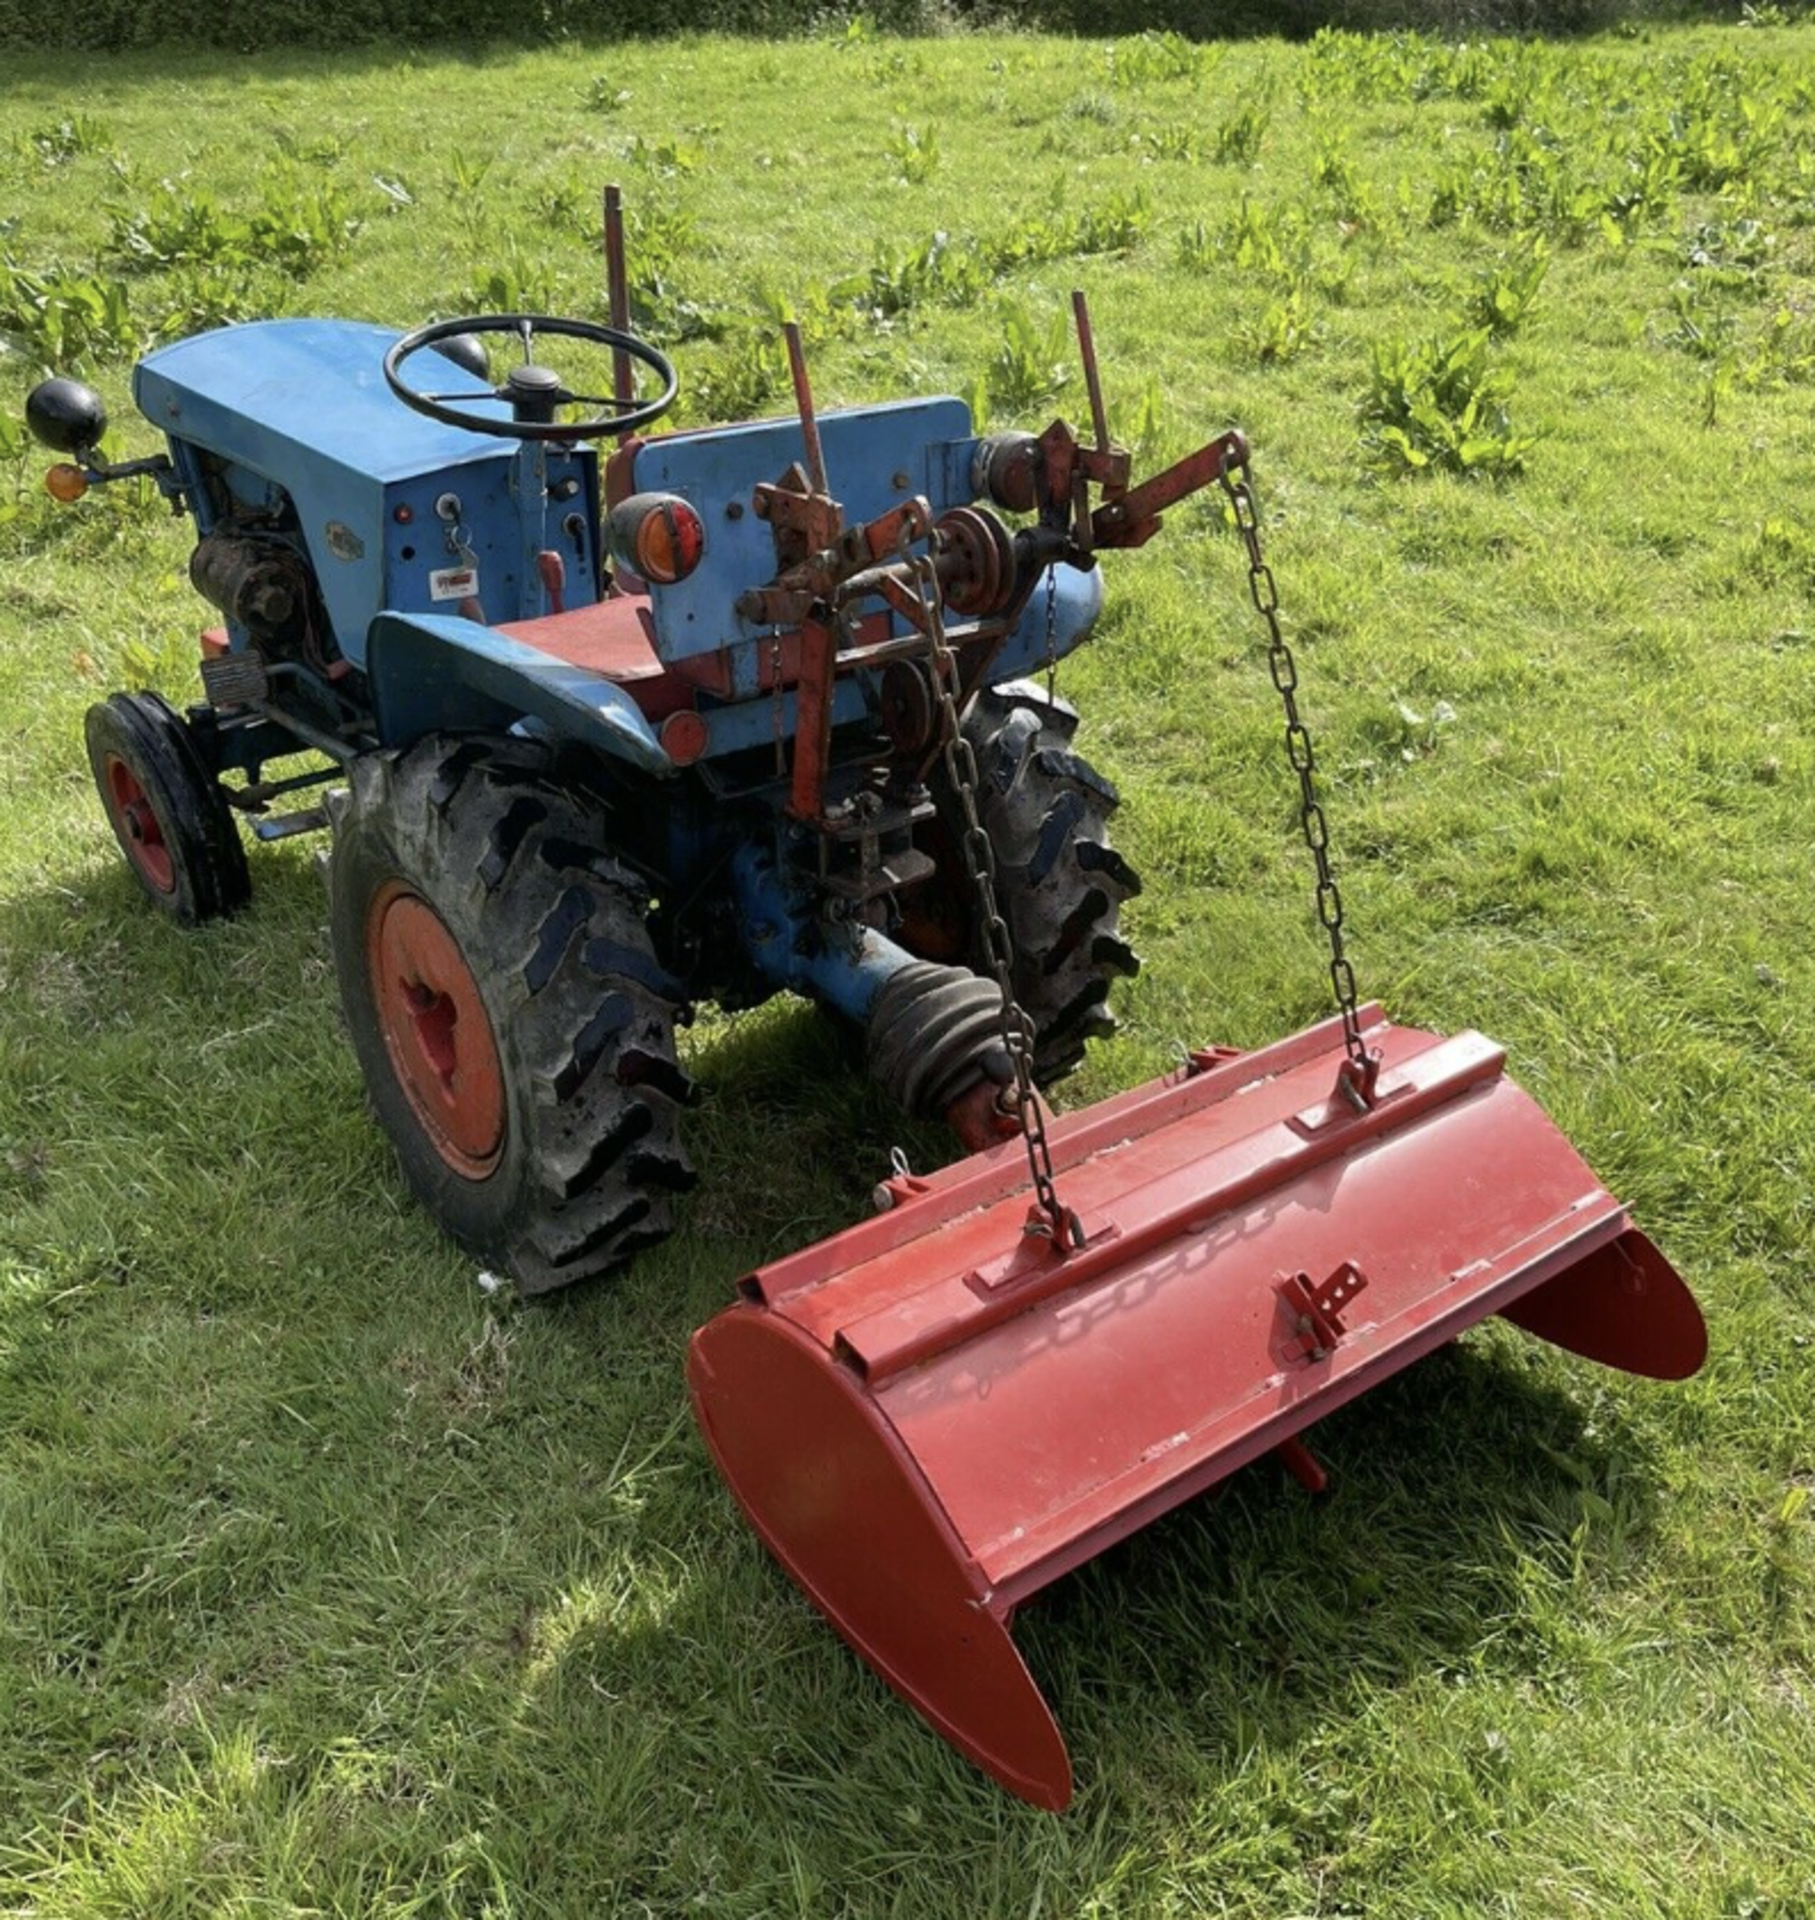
(617, 293)
(803, 398)
(813, 719)
(1087, 352)
(1302, 1464)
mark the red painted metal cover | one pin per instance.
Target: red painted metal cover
(933, 1415)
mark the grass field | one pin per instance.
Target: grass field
(330, 1583)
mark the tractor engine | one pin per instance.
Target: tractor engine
(260, 582)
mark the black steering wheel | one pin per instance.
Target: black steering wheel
(532, 392)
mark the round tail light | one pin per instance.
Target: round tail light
(657, 535)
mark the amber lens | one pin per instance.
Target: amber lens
(66, 483)
(669, 542)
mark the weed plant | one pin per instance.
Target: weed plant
(1442, 403)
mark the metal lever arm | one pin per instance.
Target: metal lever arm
(1133, 520)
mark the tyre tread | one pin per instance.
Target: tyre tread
(553, 929)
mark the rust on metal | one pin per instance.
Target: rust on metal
(803, 399)
(1087, 352)
(1133, 519)
(813, 720)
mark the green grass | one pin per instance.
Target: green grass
(331, 1584)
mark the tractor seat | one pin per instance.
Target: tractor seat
(614, 639)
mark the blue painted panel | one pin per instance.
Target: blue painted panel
(866, 449)
(507, 518)
(264, 392)
(1076, 605)
(434, 673)
(302, 404)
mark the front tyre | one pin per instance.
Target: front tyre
(166, 808)
(515, 1030)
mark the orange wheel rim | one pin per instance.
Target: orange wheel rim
(129, 806)
(436, 1030)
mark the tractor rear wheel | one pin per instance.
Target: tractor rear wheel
(166, 808)
(514, 1026)
(1059, 883)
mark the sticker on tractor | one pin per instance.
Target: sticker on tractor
(453, 583)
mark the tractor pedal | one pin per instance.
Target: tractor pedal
(286, 826)
(235, 679)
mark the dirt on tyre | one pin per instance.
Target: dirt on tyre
(513, 1024)
(166, 808)
(1060, 883)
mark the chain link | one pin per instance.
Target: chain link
(1264, 591)
(1061, 1224)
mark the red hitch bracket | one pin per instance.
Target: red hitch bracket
(1317, 1311)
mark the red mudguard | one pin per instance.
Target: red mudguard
(933, 1415)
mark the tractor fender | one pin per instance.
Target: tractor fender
(438, 673)
(1076, 602)
(1058, 710)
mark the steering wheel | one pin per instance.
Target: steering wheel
(532, 392)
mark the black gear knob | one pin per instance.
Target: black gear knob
(65, 415)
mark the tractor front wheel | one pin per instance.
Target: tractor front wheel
(166, 808)
(514, 1026)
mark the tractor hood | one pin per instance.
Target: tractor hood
(277, 394)
(294, 416)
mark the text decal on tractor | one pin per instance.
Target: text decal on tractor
(748, 710)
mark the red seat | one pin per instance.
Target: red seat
(614, 639)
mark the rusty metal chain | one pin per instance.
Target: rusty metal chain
(1052, 621)
(1262, 589)
(1061, 1224)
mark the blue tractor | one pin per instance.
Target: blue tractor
(728, 712)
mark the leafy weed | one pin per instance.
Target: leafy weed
(914, 152)
(1503, 292)
(1033, 361)
(1239, 139)
(1442, 404)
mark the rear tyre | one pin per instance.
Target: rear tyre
(1060, 884)
(166, 809)
(515, 1029)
